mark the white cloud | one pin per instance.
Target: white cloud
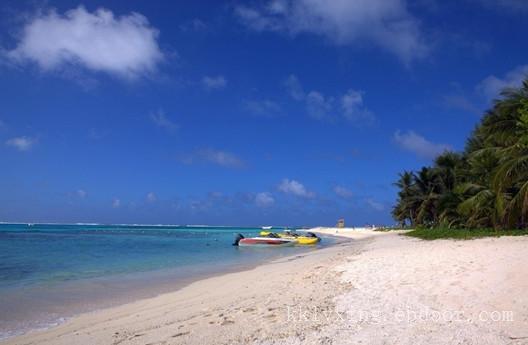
(264, 199)
(294, 88)
(384, 23)
(222, 158)
(343, 192)
(317, 105)
(492, 85)
(81, 193)
(264, 108)
(322, 107)
(161, 120)
(125, 46)
(214, 156)
(353, 109)
(21, 143)
(151, 197)
(418, 145)
(214, 83)
(375, 205)
(116, 203)
(295, 188)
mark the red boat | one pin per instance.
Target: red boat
(265, 242)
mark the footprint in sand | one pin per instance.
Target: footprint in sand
(180, 334)
(270, 316)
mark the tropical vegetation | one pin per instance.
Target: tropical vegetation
(483, 187)
(462, 233)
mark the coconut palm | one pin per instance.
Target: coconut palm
(484, 186)
(405, 209)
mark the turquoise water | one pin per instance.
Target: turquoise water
(50, 271)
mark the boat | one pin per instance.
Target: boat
(267, 227)
(309, 239)
(267, 241)
(305, 240)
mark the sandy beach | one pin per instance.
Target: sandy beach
(379, 288)
(269, 172)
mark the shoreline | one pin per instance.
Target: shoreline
(283, 265)
(167, 281)
(379, 273)
(136, 284)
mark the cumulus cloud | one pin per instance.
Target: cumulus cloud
(161, 120)
(264, 108)
(317, 105)
(384, 23)
(343, 192)
(21, 143)
(322, 107)
(264, 199)
(294, 87)
(295, 188)
(491, 86)
(116, 203)
(125, 46)
(214, 83)
(419, 145)
(353, 108)
(81, 193)
(151, 197)
(222, 158)
(214, 156)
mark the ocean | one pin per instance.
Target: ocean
(49, 272)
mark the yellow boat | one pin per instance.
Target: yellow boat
(304, 240)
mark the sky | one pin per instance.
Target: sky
(240, 113)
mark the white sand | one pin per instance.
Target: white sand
(353, 233)
(439, 292)
(373, 283)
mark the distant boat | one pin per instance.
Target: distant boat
(267, 227)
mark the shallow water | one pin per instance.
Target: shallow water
(49, 271)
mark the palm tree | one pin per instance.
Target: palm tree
(428, 192)
(478, 199)
(484, 186)
(405, 208)
(511, 177)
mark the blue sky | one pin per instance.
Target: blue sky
(240, 113)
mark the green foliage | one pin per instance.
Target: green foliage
(462, 233)
(485, 186)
